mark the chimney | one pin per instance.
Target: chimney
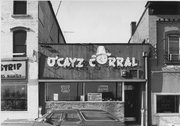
(133, 27)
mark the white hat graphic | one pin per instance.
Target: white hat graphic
(101, 51)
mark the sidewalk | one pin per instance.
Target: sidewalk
(17, 122)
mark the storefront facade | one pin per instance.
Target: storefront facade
(19, 89)
(96, 76)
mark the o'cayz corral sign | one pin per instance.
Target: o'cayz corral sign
(101, 58)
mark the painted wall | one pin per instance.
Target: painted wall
(8, 21)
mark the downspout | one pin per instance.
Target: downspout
(145, 55)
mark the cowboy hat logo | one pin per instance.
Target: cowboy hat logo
(101, 55)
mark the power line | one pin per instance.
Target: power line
(54, 20)
(58, 7)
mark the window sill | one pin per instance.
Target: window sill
(20, 16)
(172, 62)
(86, 101)
(24, 111)
(167, 114)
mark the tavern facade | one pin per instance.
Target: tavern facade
(95, 76)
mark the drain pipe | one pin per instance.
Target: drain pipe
(142, 108)
(145, 55)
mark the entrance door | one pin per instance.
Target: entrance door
(132, 103)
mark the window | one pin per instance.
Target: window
(167, 103)
(20, 7)
(110, 91)
(13, 98)
(19, 42)
(90, 91)
(174, 47)
(63, 91)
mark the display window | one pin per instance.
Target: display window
(88, 91)
(167, 103)
(14, 97)
(103, 91)
(63, 91)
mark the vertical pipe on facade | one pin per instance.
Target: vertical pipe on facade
(146, 87)
(142, 107)
(84, 91)
(123, 92)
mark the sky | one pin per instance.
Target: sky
(97, 21)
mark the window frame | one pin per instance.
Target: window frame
(19, 54)
(167, 43)
(165, 94)
(176, 35)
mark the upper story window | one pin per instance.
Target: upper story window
(174, 47)
(20, 7)
(19, 43)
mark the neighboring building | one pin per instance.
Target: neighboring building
(159, 26)
(24, 25)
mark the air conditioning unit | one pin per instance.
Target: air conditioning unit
(132, 73)
(174, 57)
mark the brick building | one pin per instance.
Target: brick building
(24, 25)
(159, 26)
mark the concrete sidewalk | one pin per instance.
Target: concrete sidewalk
(18, 122)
